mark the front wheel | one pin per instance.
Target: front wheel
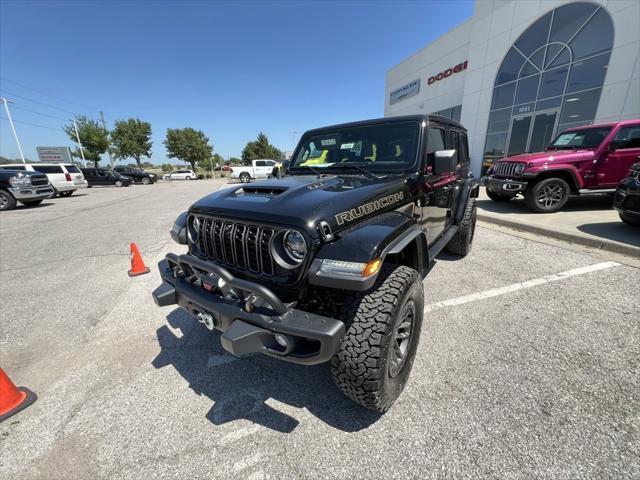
(628, 219)
(498, 197)
(145, 181)
(375, 357)
(548, 195)
(31, 203)
(118, 183)
(245, 177)
(461, 242)
(7, 202)
(187, 178)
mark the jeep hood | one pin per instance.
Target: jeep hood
(549, 156)
(304, 200)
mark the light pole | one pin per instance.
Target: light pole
(13, 129)
(75, 126)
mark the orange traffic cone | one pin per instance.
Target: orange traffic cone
(137, 265)
(12, 398)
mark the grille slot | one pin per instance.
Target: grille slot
(39, 180)
(505, 169)
(240, 245)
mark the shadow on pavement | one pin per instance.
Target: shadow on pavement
(240, 387)
(575, 204)
(617, 231)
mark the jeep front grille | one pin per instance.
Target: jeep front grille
(39, 180)
(505, 169)
(236, 244)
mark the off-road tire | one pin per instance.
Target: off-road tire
(361, 368)
(245, 177)
(533, 191)
(145, 181)
(7, 202)
(628, 219)
(31, 203)
(498, 197)
(461, 242)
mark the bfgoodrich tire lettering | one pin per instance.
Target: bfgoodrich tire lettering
(364, 367)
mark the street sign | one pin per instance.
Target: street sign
(54, 154)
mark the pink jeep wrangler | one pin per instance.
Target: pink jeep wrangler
(582, 160)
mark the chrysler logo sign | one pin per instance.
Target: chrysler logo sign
(448, 72)
(405, 91)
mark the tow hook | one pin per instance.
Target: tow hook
(206, 319)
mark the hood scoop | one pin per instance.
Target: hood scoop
(260, 190)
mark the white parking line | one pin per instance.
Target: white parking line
(495, 292)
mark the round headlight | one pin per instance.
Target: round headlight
(520, 168)
(193, 229)
(295, 245)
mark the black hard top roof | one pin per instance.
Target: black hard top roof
(379, 121)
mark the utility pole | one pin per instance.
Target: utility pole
(75, 126)
(13, 129)
(104, 125)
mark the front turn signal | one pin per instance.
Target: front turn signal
(372, 267)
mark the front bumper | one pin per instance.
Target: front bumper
(31, 193)
(627, 200)
(505, 185)
(249, 315)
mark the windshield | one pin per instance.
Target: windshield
(390, 147)
(585, 138)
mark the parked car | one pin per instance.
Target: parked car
(627, 198)
(258, 169)
(583, 160)
(26, 187)
(326, 263)
(136, 174)
(183, 174)
(103, 176)
(64, 178)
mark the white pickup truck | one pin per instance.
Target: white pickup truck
(258, 169)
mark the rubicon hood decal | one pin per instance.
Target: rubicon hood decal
(367, 208)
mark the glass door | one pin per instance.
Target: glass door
(542, 131)
(520, 127)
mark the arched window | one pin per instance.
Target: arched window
(549, 80)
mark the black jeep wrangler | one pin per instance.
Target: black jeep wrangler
(325, 262)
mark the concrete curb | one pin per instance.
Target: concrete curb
(602, 244)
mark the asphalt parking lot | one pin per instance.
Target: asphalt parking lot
(528, 364)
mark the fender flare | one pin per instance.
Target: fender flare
(470, 189)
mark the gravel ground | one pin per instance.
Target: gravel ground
(538, 382)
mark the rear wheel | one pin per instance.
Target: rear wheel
(7, 202)
(548, 195)
(498, 197)
(461, 242)
(245, 177)
(187, 178)
(31, 203)
(375, 357)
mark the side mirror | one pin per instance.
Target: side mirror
(445, 161)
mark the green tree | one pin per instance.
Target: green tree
(188, 145)
(260, 148)
(166, 167)
(131, 138)
(93, 137)
(234, 161)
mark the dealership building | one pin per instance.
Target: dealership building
(518, 72)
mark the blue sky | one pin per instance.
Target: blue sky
(231, 69)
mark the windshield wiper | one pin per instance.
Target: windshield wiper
(368, 173)
(314, 170)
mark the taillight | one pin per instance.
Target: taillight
(67, 176)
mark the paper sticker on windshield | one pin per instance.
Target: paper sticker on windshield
(565, 139)
(327, 142)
